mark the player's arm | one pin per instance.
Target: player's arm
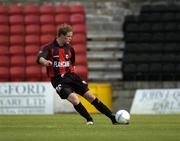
(45, 62)
(43, 57)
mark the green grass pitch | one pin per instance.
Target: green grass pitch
(72, 127)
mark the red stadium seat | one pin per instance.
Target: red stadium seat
(62, 9)
(82, 71)
(4, 40)
(47, 19)
(4, 74)
(31, 9)
(4, 19)
(33, 29)
(17, 40)
(32, 19)
(16, 50)
(77, 19)
(4, 61)
(4, 50)
(16, 19)
(17, 74)
(4, 29)
(81, 59)
(80, 48)
(79, 28)
(4, 9)
(31, 49)
(33, 73)
(62, 18)
(77, 9)
(32, 39)
(79, 39)
(47, 38)
(17, 29)
(17, 60)
(44, 76)
(15, 10)
(47, 9)
(48, 29)
(31, 60)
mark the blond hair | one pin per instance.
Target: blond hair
(63, 29)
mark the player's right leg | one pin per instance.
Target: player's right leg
(64, 90)
(73, 98)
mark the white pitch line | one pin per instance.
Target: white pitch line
(29, 126)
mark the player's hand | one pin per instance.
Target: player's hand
(45, 62)
(48, 63)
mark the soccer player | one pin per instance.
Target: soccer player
(59, 58)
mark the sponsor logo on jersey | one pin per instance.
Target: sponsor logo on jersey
(58, 64)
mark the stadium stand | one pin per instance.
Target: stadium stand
(17, 74)
(4, 74)
(152, 33)
(151, 44)
(24, 29)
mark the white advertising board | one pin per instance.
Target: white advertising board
(26, 98)
(62, 105)
(156, 101)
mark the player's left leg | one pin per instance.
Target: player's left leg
(81, 87)
(99, 106)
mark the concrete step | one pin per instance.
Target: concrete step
(104, 35)
(104, 55)
(105, 45)
(94, 75)
(104, 26)
(98, 18)
(99, 65)
(132, 85)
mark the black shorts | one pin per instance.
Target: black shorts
(68, 84)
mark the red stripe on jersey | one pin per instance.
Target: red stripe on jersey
(51, 69)
(71, 55)
(71, 68)
(62, 70)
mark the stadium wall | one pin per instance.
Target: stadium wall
(107, 17)
(41, 98)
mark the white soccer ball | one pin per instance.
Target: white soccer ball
(122, 117)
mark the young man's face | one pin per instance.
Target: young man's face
(66, 38)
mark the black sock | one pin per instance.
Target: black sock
(102, 108)
(83, 112)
